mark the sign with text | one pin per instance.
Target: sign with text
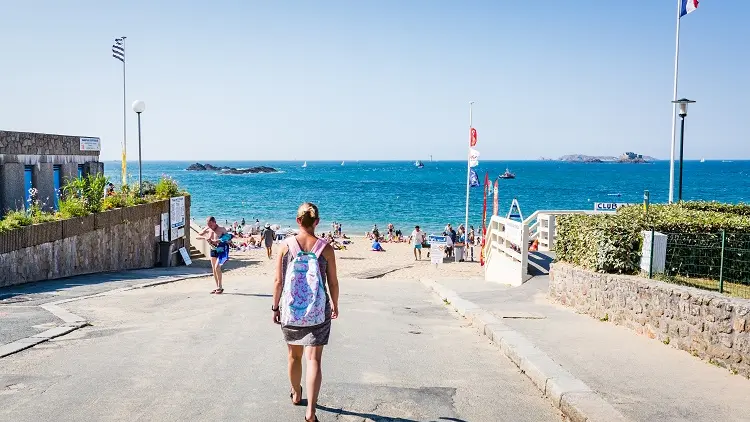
(91, 144)
(176, 215)
(185, 256)
(165, 227)
(514, 232)
(609, 206)
(437, 248)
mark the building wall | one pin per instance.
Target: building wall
(42, 151)
(114, 240)
(711, 326)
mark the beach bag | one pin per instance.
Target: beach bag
(303, 299)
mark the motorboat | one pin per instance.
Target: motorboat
(418, 164)
(508, 175)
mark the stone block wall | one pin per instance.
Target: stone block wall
(709, 325)
(114, 240)
(29, 143)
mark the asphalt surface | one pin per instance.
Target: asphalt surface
(21, 316)
(640, 377)
(175, 353)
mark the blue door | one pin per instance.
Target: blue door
(57, 181)
(27, 185)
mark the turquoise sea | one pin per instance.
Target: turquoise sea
(360, 194)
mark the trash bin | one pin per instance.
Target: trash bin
(165, 254)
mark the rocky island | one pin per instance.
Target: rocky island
(230, 170)
(628, 157)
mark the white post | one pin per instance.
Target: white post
(468, 171)
(124, 122)
(674, 106)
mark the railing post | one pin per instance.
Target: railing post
(651, 257)
(721, 264)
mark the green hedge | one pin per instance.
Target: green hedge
(612, 242)
(737, 209)
(604, 243)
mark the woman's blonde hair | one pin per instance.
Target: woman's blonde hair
(307, 214)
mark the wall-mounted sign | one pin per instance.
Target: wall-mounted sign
(91, 144)
(608, 206)
(177, 216)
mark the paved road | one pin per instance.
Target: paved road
(174, 353)
(21, 316)
(642, 378)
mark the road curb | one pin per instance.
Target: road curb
(29, 342)
(572, 396)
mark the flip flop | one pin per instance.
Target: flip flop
(219, 291)
(291, 396)
(213, 291)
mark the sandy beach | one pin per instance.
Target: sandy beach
(358, 261)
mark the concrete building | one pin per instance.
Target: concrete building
(45, 162)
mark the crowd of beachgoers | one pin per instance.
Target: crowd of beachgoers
(355, 254)
(460, 244)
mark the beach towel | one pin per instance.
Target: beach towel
(222, 248)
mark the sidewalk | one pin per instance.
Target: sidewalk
(24, 310)
(641, 378)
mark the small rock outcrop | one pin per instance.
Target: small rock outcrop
(230, 170)
(196, 167)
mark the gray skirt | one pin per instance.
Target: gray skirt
(308, 336)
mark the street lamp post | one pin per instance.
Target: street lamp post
(683, 102)
(139, 106)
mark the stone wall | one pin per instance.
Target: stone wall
(28, 143)
(709, 325)
(114, 240)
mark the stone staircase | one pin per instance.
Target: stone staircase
(195, 253)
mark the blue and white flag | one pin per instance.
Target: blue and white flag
(473, 179)
(687, 6)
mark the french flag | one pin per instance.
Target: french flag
(687, 6)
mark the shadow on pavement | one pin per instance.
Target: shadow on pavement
(377, 418)
(249, 294)
(539, 263)
(60, 284)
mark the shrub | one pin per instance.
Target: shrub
(114, 201)
(612, 242)
(737, 209)
(73, 206)
(90, 189)
(16, 219)
(604, 243)
(166, 188)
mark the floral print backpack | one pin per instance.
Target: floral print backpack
(303, 299)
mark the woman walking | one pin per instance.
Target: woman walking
(305, 266)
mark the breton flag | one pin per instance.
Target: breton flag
(687, 6)
(118, 49)
(473, 136)
(473, 179)
(473, 157)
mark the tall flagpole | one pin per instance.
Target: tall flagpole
(124, 123)
(468, 171)
(674, 105)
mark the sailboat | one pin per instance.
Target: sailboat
(304, 164)
(703, 160)
(342, 163)
(418, 164)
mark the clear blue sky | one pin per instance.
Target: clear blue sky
(248, 80)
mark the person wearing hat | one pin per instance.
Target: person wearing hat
(268, 236)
